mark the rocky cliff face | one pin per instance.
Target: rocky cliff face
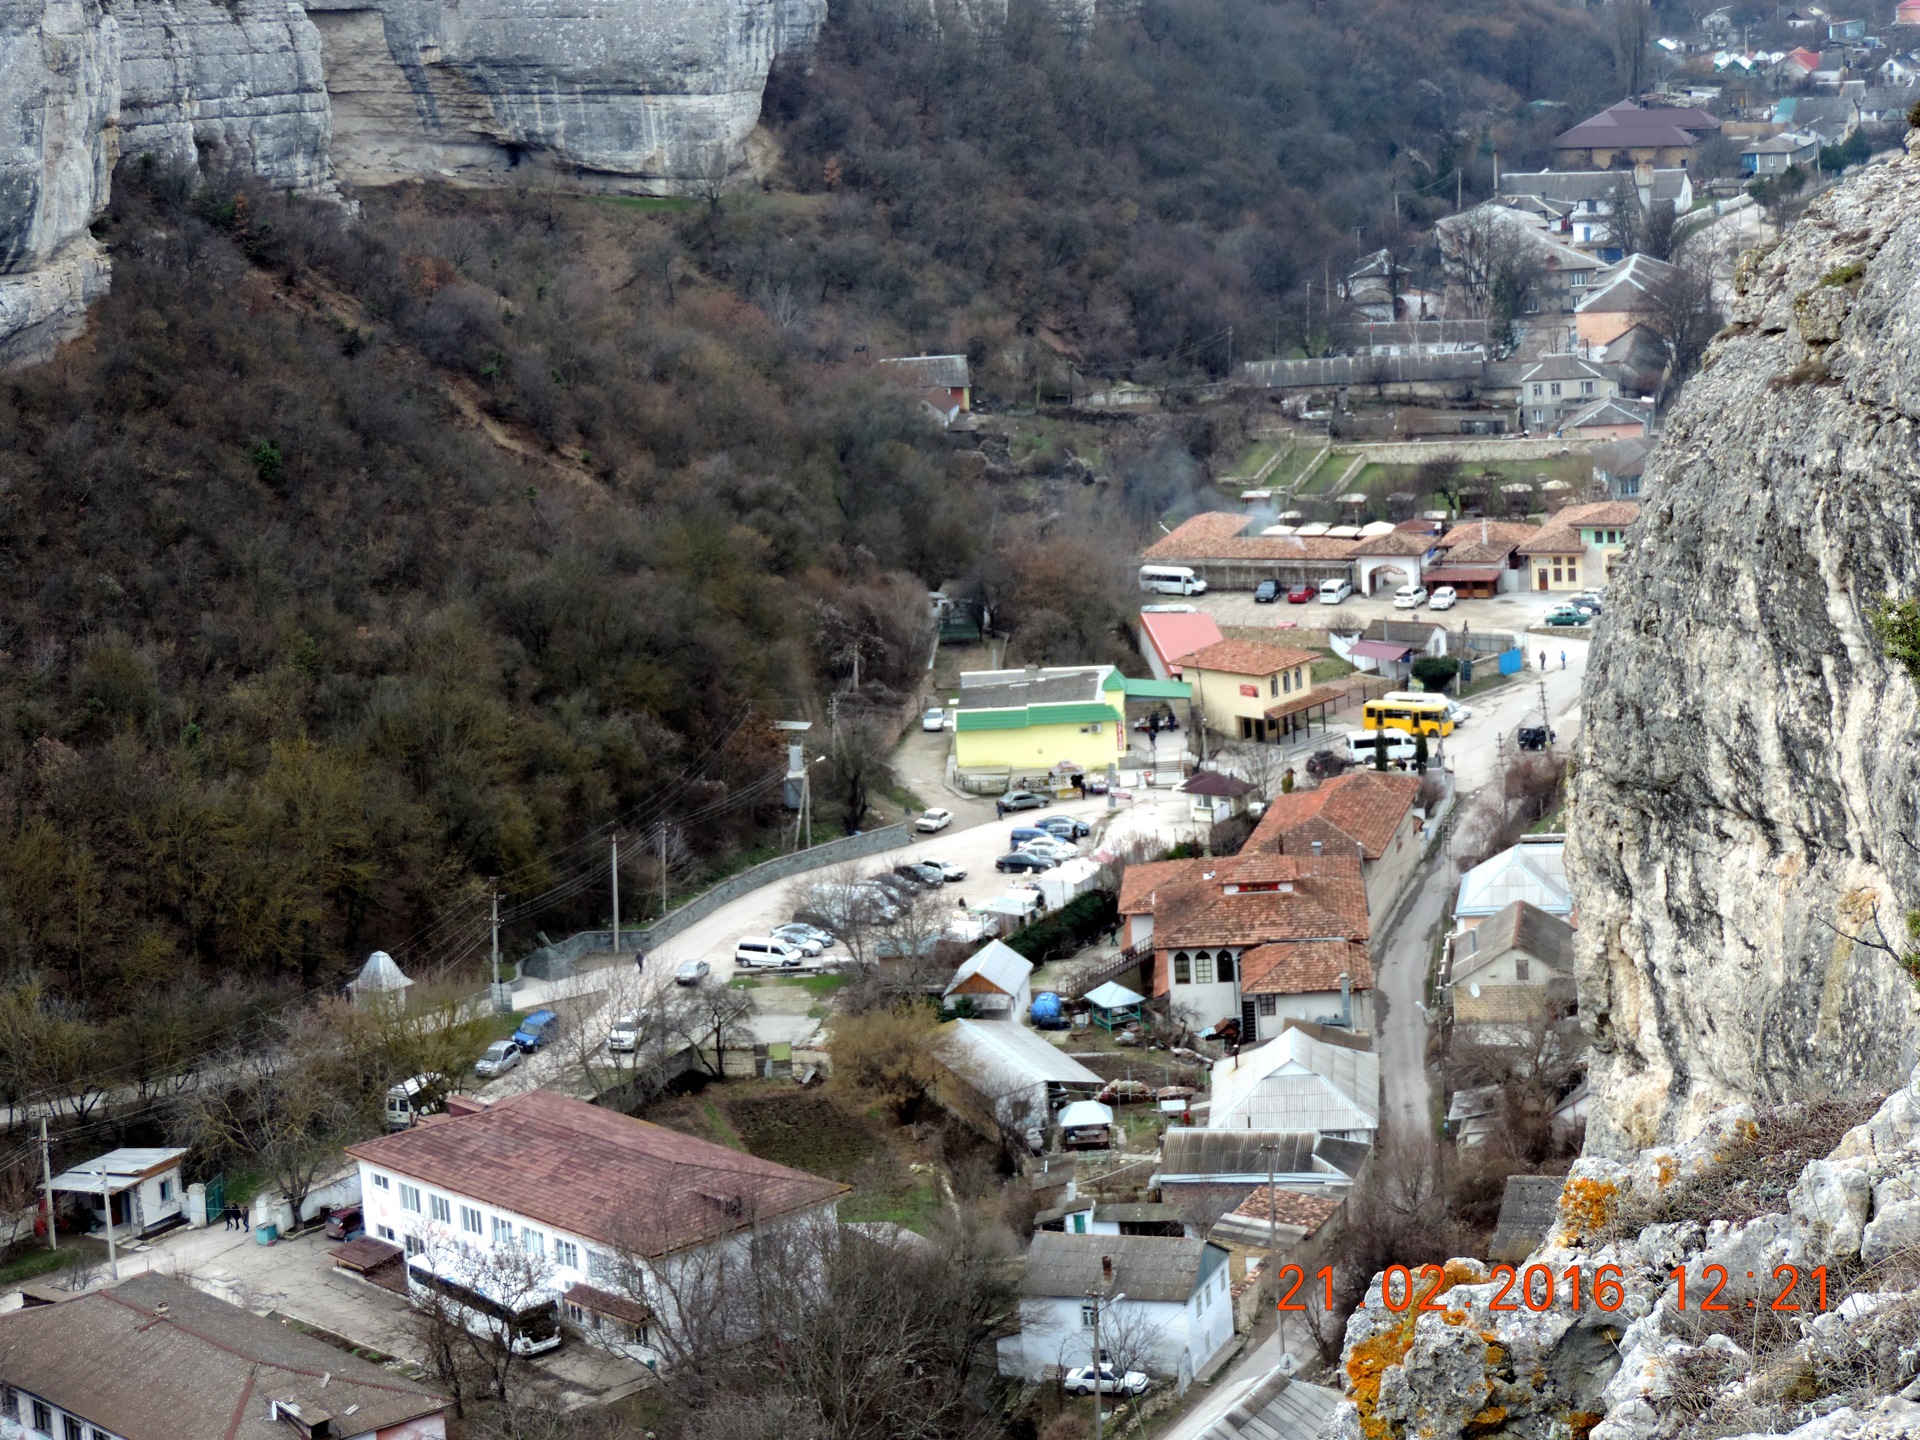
(649, 95)
(1746, 803)
(59, 61)
(232, 83)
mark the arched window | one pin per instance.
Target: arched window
(1182, 968)
(1223, 966)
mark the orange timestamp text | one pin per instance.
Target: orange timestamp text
(1419, 1288)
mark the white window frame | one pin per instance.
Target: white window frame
(439, 1209)
(472, 1221)
(410, 1197)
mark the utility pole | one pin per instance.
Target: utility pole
(113, 1255)
(1229, 352)
(661, 833)
(614, 868)
(46, 1178)
(493, 894)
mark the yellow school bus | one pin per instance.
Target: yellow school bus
(1410, 711)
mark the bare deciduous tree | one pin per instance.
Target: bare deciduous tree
(473, 1357)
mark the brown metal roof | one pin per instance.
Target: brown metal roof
(365, 1254)
(605, 1302)
(597, 1173)
(1319, 695)
(1145, 1267)
(154, 1359)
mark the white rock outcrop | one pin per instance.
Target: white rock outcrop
(1744, 839)
(59, 62)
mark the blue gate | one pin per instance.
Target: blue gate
(1512, 662)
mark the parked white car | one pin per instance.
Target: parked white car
(934, 719)
(1108, 1381)
(931, 821)
(1409, 597)
(1443, 599)
(624, 1035)
(952, 871)
(1332, 592)
(1051, 848)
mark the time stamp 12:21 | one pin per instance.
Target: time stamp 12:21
(1419, 1288)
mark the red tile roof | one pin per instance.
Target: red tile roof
(1365, 805)
(1289, 1207)
(1140, 882)
(1328, 899)
(1221, 535)
(1556, 540)
(1246, 657)
(597, 1173)
(1306, 967)
(1494, 552)
(1601, 512)
(1395, 542)
(1472, 532)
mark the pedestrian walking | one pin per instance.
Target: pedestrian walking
(1543, 659)
(640, 961)
(1000, 808)
(1563, 659)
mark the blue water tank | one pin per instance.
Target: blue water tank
(1046, 1010)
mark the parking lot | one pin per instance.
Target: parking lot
(1514, 612)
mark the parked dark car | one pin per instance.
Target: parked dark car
(1266, 592)
(922, 872)
(1064, 827)
(1023, 861)
(1021, 800)
(1535, 737)
(345, 1222)
(1324, 764)
(1302, 594)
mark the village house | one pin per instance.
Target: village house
(1576, 549)
(1252, 691)
(943, 383)
(1611, 420)
(1475, 241)
(1023, 721)
(1559, 385)
(604, 1204)
(1621, 466)
(1477, 558)
(135, 1190)
(1366, 812)
(1535, 871)
(1627, 295)
(996, 981)
(152, 1358)
(1168, 634)
(1515, 967)
(1583, 201)
(1215, 795)
(1176, 1317)
(1296, 1082)
(1778, 153)
(1296, 923)
(1625, 135)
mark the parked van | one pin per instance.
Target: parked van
(1023, 833)
(535, 1030)
(1400, 746)
(763, 952)
(410, 1099)
(1332, 592)
(1171, 580)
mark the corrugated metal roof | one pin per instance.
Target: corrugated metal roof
(154, 1359)
(1185, 1150)
(944, 372)
(994, 1054)
(1533, 871)
(1278, 1407)
(1145, 1267)
(1296, 1082)
(1020, 718)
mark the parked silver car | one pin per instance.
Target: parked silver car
(500, 1057)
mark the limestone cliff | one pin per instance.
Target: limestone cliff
(235, 83)
(649, 95)
(58, 67)
(1746, 801)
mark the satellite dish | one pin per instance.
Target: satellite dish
(1474, 990)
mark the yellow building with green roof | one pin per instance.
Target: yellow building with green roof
(1038, 719)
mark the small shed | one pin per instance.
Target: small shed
(133, 1189)
(1114, 1005)
(996, 979)
(1086, 1125)
(1216, 795)
(380, 982)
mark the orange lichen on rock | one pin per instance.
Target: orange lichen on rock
(1366, 1363)
(1580, 1423)
(1667, 1172)
(1455, 1317)
(1586, 1205)
(1489, 1419)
